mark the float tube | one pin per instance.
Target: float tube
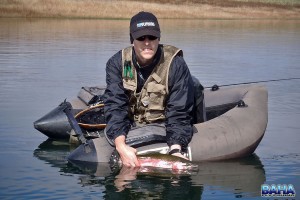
(237, 118)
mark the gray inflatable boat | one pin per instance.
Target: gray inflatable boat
(236, 121)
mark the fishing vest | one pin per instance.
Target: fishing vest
(148, 105)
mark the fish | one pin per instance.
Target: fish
(165, 161)
(157, 163)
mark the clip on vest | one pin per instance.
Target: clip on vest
(127, 70)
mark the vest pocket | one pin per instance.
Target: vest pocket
(154, 115)
(157, 93)
(156, 101)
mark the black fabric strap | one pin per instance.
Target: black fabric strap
(175, 151)
(67, 107)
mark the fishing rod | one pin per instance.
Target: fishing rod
(216, 87)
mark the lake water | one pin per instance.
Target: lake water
(44, 61)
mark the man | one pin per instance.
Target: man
(148, 83)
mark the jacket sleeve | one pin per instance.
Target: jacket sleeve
(179, 104)
(115, 99)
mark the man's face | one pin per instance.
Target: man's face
(145, 48)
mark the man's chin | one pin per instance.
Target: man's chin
(148, 56)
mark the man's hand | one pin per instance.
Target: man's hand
(180, 155)
(177, 146)
(127, 153)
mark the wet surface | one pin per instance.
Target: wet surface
(42, 62)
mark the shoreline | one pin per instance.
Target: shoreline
(163, 9)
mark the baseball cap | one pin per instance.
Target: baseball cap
(144, 23)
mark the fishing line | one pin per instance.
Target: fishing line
(216, 87)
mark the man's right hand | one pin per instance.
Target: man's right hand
(127, 153)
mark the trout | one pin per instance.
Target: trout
(165, 161)
(155, 162)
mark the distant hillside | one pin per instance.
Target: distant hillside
(117, 9)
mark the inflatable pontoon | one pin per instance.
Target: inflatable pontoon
(236, 120)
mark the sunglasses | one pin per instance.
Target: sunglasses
(150, 37)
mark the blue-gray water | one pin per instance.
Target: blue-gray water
(42, 62)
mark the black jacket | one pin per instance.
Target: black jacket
(179, 103)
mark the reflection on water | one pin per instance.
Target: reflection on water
(44, 61)
(242, 177)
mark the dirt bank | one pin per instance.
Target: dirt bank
(115, 9)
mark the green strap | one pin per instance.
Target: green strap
(127, 70)
(130, 73)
